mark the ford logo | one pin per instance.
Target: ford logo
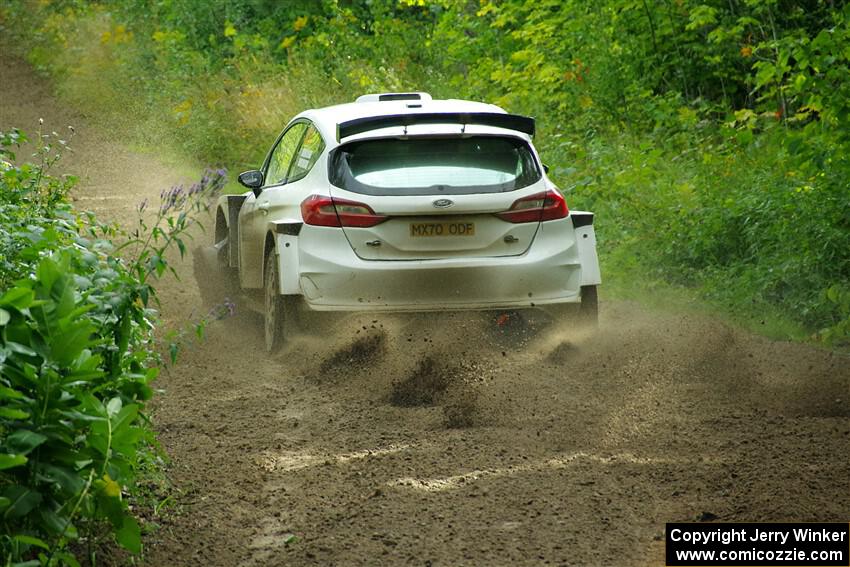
(443, 203)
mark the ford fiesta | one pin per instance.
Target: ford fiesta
(398, 202)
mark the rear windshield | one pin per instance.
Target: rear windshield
(433, 166)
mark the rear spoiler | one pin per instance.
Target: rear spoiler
(516, 122)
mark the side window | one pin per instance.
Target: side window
(282, 155)
(310, 150)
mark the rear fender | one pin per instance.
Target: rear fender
(285, 236)
(586, 243)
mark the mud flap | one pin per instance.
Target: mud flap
(287, 250)
(586, 243)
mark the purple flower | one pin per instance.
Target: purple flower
(174, 198)
(222, 310)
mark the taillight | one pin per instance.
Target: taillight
(319, 210)
(549, 205)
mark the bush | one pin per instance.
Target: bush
(77, 359)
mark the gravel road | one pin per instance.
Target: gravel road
(451, 440)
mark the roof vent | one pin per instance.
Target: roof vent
(386, 97)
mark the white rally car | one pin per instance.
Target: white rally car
(398, 202)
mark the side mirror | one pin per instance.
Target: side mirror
(253, 180)
(545, 168)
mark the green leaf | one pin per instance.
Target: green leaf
(110, 507)
(10, 394)
(30, 540)
(68, 480)
(4, 317)
(22, 501)
(66, 558)
(124, 332)
(114, 406)
(11, 461)
(17, 297)
(766, 73)
(744, 137)
(124, 418)
(20, 349)
(160, 266)
(10, 413)
(58, 524)
(832, 294)
(23, 441)
(80, 416)
(98, 437)
(48, 273)
(130, 535)
(125, 441)
(70, 344)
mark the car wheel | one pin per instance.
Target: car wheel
(589, 310)
(216, 281)
(274, 315)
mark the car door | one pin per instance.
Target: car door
(254, 214)
(284, 200)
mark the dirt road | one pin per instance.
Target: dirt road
(449, 440)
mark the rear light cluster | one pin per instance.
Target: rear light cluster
(319, 210)
(549, 205)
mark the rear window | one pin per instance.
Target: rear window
(433, 166)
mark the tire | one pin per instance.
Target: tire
(589, 310)
(216, 281)
(274, 313)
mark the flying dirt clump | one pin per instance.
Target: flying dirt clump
(424, 385)
(563, 352)
(462, 409)
(362, 352)
(433, 381)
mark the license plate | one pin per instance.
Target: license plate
(442, 229)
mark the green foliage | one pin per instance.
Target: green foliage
(839, 295)
(32, 204)
(77, 357)
(711, 136)
(73, 428)
(74, 368)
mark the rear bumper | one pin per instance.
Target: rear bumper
(332, 277)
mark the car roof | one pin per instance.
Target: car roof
(327, 118)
